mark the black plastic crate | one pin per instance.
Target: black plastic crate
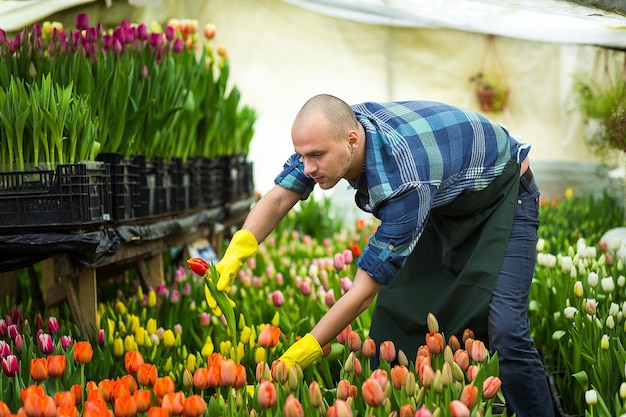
(174, 183)
(70, 197)
(152, 202)
(125, 185)
(237, 181)
(212, 183)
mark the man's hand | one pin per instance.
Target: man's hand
(241, 247)
(304, 352)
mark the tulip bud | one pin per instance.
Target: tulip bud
(433, 324)
(591, 397)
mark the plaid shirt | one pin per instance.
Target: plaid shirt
(419, 155)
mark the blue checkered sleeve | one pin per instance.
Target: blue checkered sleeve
(293, 177)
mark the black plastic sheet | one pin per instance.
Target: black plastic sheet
(88, 250)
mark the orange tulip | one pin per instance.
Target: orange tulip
(479, 351)
(491, 386)
(56, 365)
(407, 411)
(467, 334)
(388, 351)
(155, 411)
(32, 391)
(454, 343)
(163, 385)
(97, 413)
(458, 409)
(346, 390)
(63, 398)
(213, 375)
(280, 372)
(354, 341)
(67, 411)
(228, 372)
(262, 371)
(434, 341)
(398, 376)
(472, 371)
(427, 375)
(78, 393)
(340, 408)
(143, 400)
(130, 383)
(201, 378)
(194, 406)
(106, 387)
(83, 352)
(173, 402)
(5, 411)
(266, 394)
(133, 359)
(147, 375)
(40, 406)
(461, 357)
(241, 379)
(469, 395)
(293, 407)
(38, 369)
(119, 390)
(368, 348)
(125, 406)
(315, 394)
(268, 338)
(372, 392)
(91, 386)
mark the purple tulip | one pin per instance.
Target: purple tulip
(3, 328)
(142, 32)
(90, 35)
(5, 349)
(156, 39)
(170, 33)
(179, 45)
(82, 21)
(66, 342)
(278, 298)
(101, 337)
(53, 325)
(175, 297)
(3, 37)
(46, 345)
(10, 365)
(13, 331)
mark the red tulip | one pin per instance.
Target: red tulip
(56, 365)
(133, 359)
(147, 375)
(194, 406)
(199, 266)
(266, 394)
(38, 369)
(293, 407)
(83, 352)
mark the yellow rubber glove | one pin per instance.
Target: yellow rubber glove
(242, 246)
(304, 352)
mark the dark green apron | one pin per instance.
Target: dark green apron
(452, 270)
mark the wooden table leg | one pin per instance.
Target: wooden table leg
(83, 302)
(152, 275)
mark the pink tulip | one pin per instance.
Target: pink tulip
(266, 394)
(339, 262)
(368, 348)
(315, 394)
(278, 298)
(388, 351)
(293, 407)
(53, 325)
(46, 345)
(469, 395)
(329, 298)
(346, 283)
(10, 365)
(491, 386)
(348, 256)
(372, 392)
(423, 412)
(5, 349)
(340, 408)
(305, 288)
(228, 372)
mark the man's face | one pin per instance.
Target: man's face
(326, 159)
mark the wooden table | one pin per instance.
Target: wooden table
(62, 280)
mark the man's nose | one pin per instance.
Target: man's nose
(309, 168)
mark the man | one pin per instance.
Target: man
(459, 215)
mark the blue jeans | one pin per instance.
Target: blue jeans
(524, 383)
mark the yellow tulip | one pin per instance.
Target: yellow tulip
(169, 340)
(139, 336)
(152, 298)
(118, 347)
(244, 337)
(151, 326)
(130, 343)
(208, 348)
(240, 350)
(259, 354)
(133, 323)
(579, 291)
(191, 362)
(276, 319)
(120, 307)
(168, 365)
(225, 347)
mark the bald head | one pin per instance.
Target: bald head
(328, 110)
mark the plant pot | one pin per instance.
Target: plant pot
(492, 100)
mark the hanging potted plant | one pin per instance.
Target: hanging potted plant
(490, 86)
